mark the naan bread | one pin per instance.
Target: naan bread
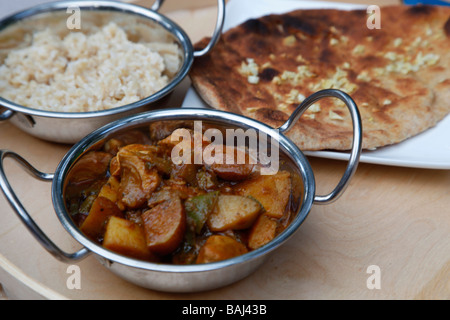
(399, 75)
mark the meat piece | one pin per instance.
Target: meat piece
(91, 167)
(231, 163)
(138, 178)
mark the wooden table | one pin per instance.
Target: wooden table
(396, 219)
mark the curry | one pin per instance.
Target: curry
(131, 198)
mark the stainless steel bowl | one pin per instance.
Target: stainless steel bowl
(71, 127)
(187, 278)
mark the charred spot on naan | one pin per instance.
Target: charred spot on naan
(420, 10)
(447, 28)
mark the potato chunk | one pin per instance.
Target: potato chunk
(102, 209)
(272, 191)
(164, 226)
(127, 238)
(262, 232)
(218, 247)
(110, 189)
(233, 212)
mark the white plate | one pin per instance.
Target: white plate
(430, 149)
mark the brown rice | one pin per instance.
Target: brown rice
(81, 73)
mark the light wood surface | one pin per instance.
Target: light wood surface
(391, 217)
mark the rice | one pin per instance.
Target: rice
(82, 73)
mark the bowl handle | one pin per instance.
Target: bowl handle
(357, 137)
(23, 214)
(217, 31)
(157, 5)
(5, 114)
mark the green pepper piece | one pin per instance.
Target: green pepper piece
(198, 209)
(85, 207)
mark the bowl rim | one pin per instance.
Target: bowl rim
(121, 7)
(225, 118)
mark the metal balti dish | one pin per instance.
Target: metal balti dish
(71, 127)
(198, 277)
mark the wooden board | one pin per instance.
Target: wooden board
(394, 218)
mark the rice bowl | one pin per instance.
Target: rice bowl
(84, 72)
(70, 127)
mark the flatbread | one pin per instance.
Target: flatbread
(399, 75)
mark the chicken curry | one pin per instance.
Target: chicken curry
(131, 198)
